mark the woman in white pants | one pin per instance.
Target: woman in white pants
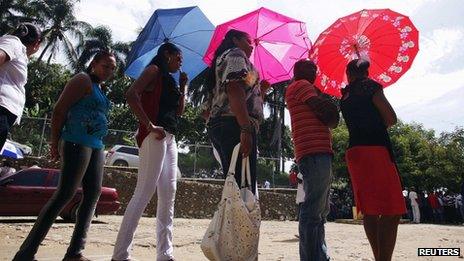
(157, 102)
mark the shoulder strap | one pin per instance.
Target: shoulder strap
(246, 173)
(233, 160)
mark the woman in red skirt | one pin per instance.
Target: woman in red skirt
(374, 176)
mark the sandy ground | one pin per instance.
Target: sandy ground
(278, 241)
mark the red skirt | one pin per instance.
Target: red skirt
(375, 180)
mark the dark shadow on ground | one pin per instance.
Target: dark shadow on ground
(32, 220)
(291, 240)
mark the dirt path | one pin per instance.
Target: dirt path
(278, 241)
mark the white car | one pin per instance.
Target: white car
(123, 155)
(126, 156)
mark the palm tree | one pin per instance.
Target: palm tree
(60, 27)
(100, 38)
(275, 101)
(12, 12)
(197, 89)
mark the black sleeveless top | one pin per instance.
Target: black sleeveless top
(364, 122)
(168, 106)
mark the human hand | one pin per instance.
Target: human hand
(245, 143)
(159, 132)
(265, 86)
(54, 154)
(183, 79)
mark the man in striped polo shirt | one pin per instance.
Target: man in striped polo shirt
(312, 116)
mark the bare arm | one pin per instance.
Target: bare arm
(135, 91)
(237, 99)
(147, 78)
(326, 111)
(182, 83)
(3, 57)
(264, 86)
(79, 86)
(385, 109)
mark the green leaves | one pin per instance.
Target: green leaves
(44, 85)
(427, 161)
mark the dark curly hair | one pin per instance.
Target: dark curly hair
(226, 44)
(358, 69)
(28, 33)
(98, 56)
(161, 62)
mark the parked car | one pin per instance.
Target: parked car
(25, 192)
(124, 156)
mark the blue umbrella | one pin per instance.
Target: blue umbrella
(187, 27)
(9, 150)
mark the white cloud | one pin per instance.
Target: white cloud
(126, 17)
(442, 43)
(217, 11)
(118, 15)
(441, 114)
(423, 81)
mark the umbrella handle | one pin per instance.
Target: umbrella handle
(356, 49)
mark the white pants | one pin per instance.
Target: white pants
(157, 172)
(415, 213)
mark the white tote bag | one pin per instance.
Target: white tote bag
(233, 233)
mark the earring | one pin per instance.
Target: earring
(169, 59)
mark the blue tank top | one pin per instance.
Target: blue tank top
(87, 121)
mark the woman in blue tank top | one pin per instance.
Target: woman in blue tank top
(79, 123)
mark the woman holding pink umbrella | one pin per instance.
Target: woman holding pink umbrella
(236, 108)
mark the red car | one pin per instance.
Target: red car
(25, 192)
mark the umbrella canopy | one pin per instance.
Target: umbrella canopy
(188, 28)
(387, 39)
(11, 151)
(279, 41)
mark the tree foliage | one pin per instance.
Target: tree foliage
(44, 85)
(427, 161)
(60, 27)
(100, 38)
(192, 128)
(13, 12)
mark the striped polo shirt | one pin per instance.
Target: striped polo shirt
(309, 134)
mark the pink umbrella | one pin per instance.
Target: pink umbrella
(279, 42)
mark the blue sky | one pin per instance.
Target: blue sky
(429, 93)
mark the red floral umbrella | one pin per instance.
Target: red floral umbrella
(387, 39)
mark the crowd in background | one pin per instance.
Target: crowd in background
(436, 206)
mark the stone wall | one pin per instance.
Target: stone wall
(194, 198)
(198, 199)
